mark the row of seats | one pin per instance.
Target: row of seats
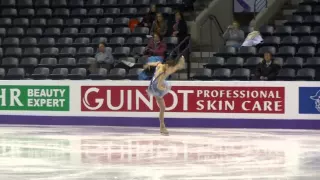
(288, 30)
(59, 22)
(72, 32)
(310, 2)
(67, 52)
(119, 73)
(80, 12)
(62, 62)
(245, 74)
(291, 41)
(307, 10)
(73, 74)
(85, 3)
(69, 42)
(252, 62)
(284, 51)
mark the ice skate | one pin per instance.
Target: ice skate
(164, 131)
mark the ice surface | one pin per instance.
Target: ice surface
(118, 153)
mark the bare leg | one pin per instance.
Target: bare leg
(162, 107)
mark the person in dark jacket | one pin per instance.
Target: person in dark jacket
(149, 18)
(267, 70)
(180, 29)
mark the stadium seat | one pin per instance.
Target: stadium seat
(286, 74)
(241, 74)
(203, 74)
(2, 73)
(59, 73)
(78, 74)
(29, 62)
(67, 52)
(221, 74)
(11, 42)
(76, 3)
(31, 52)
(117, 74)
(64, 42)
(215, 63)
(99, 75)
(226, 52)
(252, 62)
(290, 41)
(234, 63)
(294, 63)
(306, 74)
(271, 41)
(247, 51)
(46, 42)
(15, 74)
(48, 62)
(25, 3)
(134, 73)
(9, 13)
(302, 31)
(10, 62)
(42, 3)
(50, 52)
(306, 51)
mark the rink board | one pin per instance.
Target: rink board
(229, 104)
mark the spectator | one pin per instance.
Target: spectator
(180, 29)
(156, 53)
(159, 26)
(149, 18)
(103, 58)
(233, 35)
(254, 38)
(267, 69)
(156, 49)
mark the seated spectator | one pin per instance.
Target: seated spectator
(233, 35)
(156, 49)
(254, 38)
(103, 58)
(149, 18)
(267, 69)
(180, 29)
(159, 26)
(155, 52)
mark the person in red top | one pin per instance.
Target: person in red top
(156, 49)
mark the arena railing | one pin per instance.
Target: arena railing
(176, 52)
(211, 18)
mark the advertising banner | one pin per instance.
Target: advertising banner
(34, 98)
(217, 99)
(309, 100)
(240, 6)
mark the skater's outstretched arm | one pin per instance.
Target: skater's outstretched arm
(155, 64)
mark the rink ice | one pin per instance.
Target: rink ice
(131, 153)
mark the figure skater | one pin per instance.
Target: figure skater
(159, 87)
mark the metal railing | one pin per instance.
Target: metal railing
(214, 19)
(186, 52)
(259, 5)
